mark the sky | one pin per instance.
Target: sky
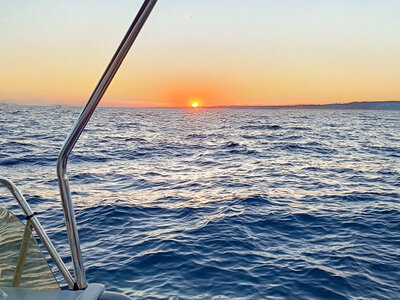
(219, 52)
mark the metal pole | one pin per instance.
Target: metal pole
(39, 230)
(76, 131)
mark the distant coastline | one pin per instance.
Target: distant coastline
(374, 105)
(364, 105)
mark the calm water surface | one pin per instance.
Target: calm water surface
(219, 204)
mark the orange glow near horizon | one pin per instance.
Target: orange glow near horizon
(195, 104)
(184, 92)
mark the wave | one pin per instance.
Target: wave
(223, 204)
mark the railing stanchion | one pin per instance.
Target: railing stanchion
(76, 131)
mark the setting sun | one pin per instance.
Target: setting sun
(195, 104)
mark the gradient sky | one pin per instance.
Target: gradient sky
(221, 52)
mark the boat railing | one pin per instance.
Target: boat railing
(34, 222)
(77, 129)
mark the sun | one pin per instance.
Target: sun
(195, 102)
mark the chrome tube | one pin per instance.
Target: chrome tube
(39, 230)
(76, 131)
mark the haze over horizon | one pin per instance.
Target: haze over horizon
(225, 53)
(357, 104)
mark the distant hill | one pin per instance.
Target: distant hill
(377, 105)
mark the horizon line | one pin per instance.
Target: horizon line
(203, 107)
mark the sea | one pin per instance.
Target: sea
(218, 203)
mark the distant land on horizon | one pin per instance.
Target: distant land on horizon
(366, 105)
(362, 105)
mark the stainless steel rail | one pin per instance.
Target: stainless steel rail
(76, 131)
(39, 230)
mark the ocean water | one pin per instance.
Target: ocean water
(219, 203)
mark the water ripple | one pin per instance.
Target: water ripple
(219, 204)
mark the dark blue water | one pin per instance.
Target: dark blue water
(220, 204)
